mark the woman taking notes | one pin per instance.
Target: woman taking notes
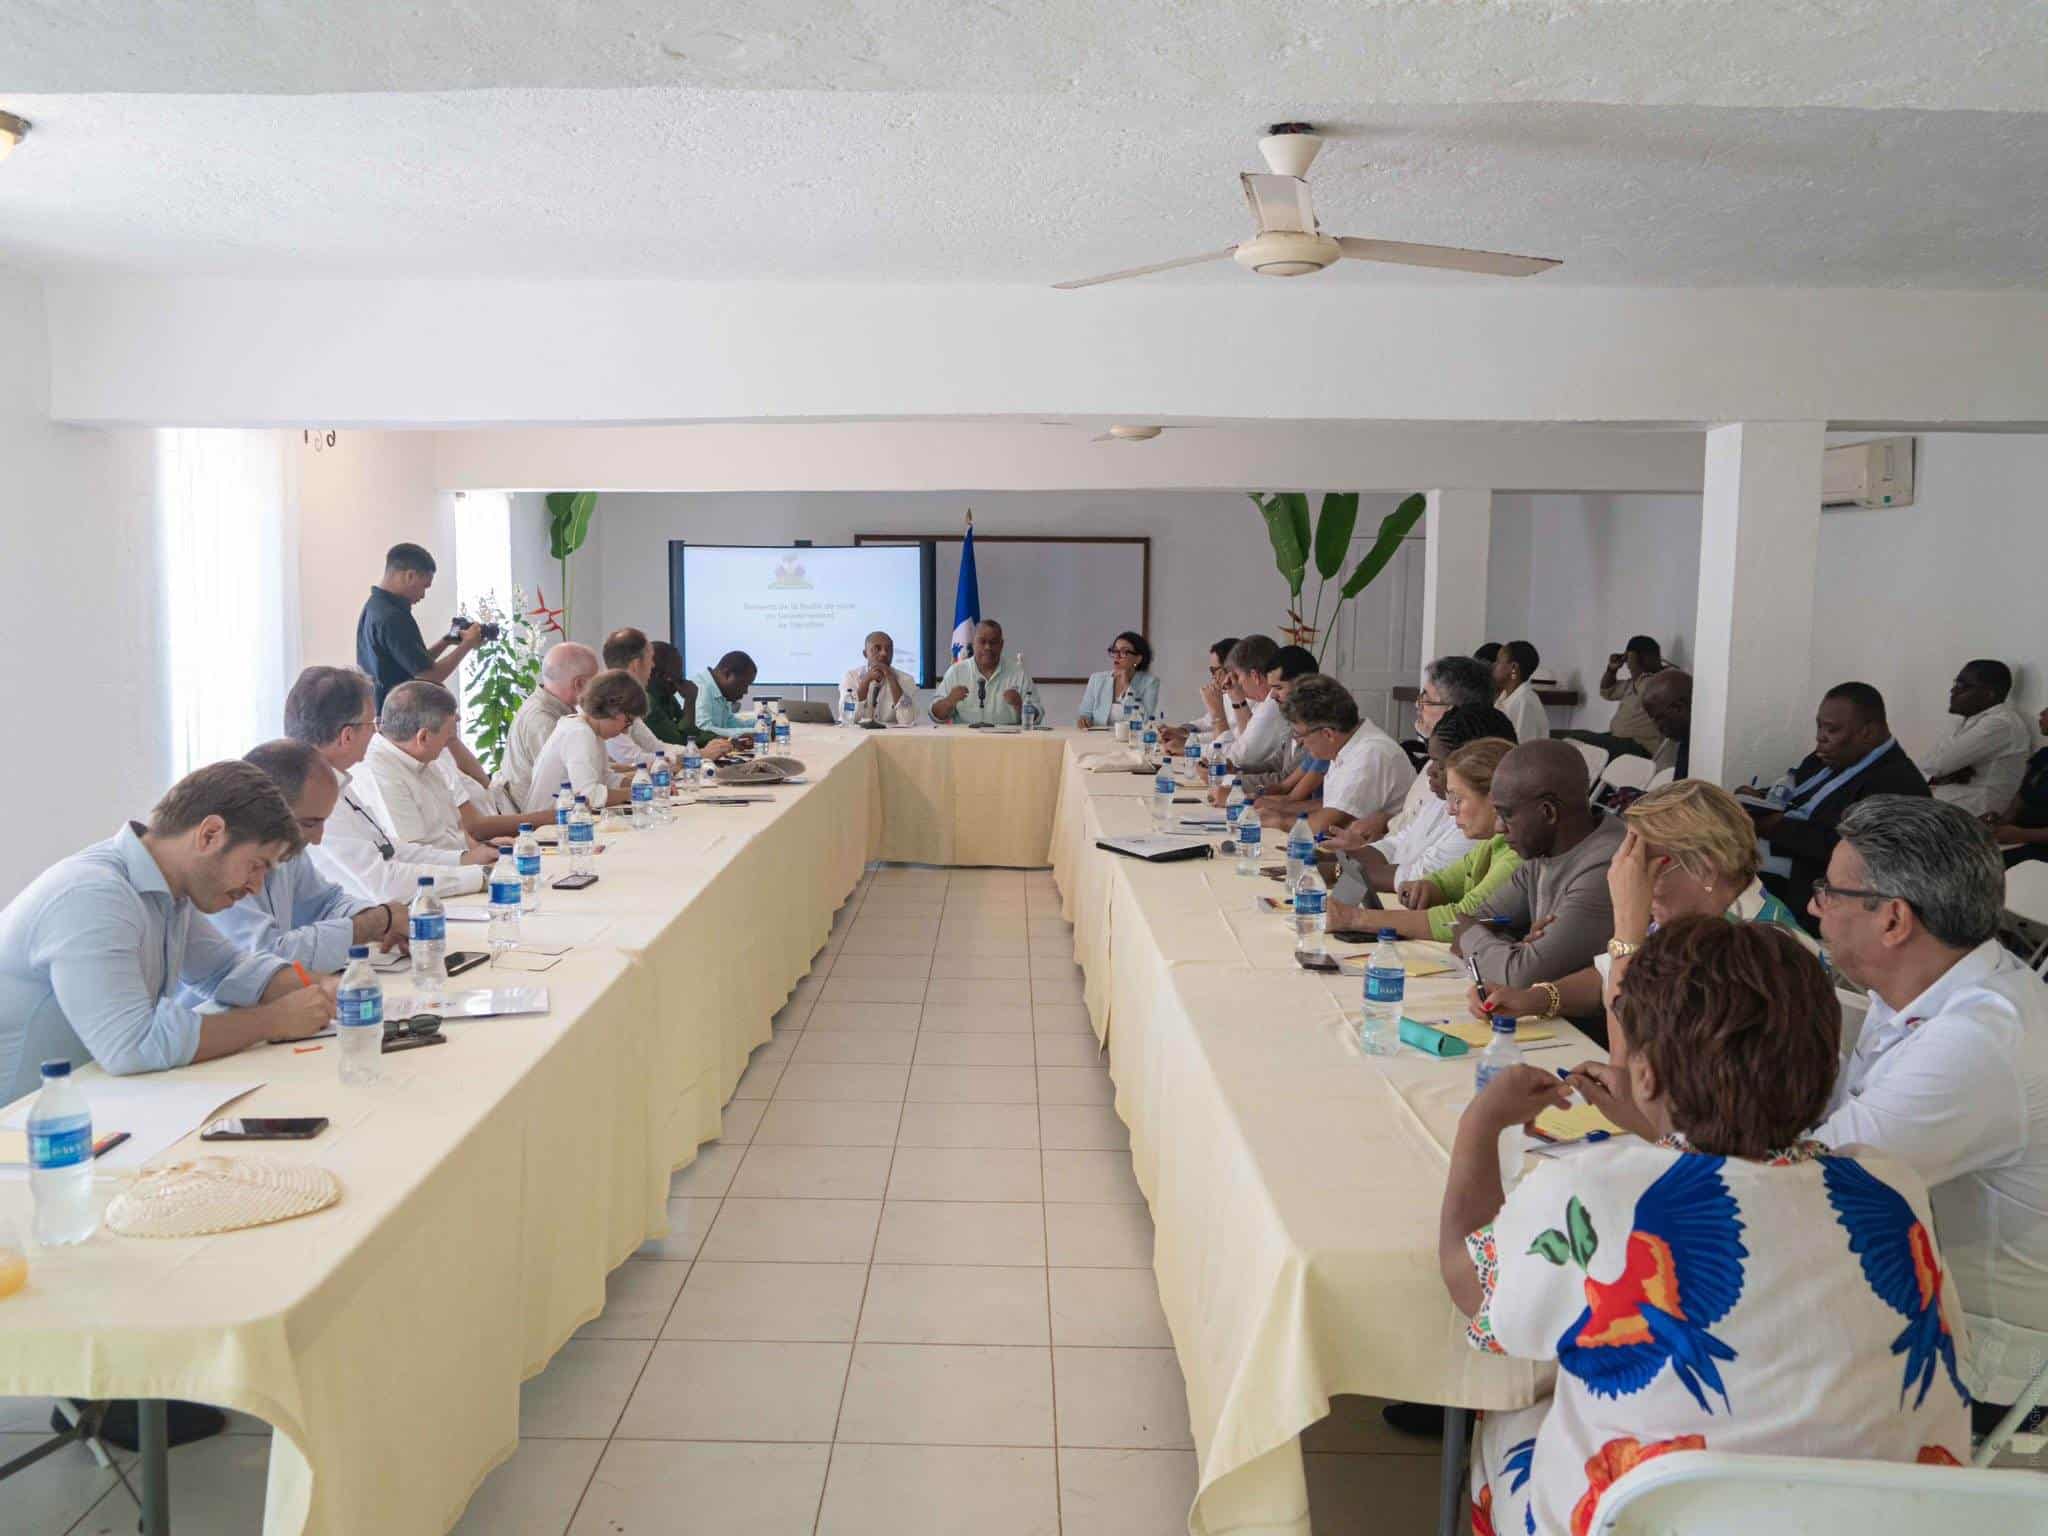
(1130, 671)
(1721, 1283)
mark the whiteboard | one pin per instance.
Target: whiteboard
(1060, 601)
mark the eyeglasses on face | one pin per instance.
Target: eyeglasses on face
(1125, 650)
(1823, 892)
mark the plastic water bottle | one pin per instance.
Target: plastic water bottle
(763, 732)
(781, 733)
(1218, 768)
(1249, 839)
(565, 802)
(693, 765)
(1193, 754)
(526, 855)
(1386, 994)
(1162, 796)
(664, 786)
(1301, 850)
(1234, 804)
(643, 798)
(504, 932)
(1148, 741)
(60, 1159)
(427, 931)
(582, 837)
(359, 1019)
(1308, 912)
(848, 707)
(1501, 1051)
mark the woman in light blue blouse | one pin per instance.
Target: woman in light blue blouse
(1130, 671)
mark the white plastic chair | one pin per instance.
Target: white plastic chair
(1661, 777)
(1596, 757)
(1710, 1493)
(2026, 896)
(1854, 1006)
(1625, 773)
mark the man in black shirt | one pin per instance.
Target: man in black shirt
(389, 646)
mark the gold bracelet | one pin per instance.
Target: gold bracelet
(1553, 1000)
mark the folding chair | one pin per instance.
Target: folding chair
(1624, 773)
(2026, 897)
(1596, 757)
(1660, 778)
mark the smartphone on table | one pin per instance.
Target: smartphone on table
(264, 1128)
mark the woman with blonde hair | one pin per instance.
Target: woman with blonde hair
(1430, 907)
(1691, 851)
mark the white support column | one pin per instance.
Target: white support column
(1752, 709)
(1459, 530)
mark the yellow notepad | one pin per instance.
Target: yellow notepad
(1479, 1036)
(1575, 1124)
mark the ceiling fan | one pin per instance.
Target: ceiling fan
(1129, 434)
(1290, 243)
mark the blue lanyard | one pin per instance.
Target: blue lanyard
(1824, 783)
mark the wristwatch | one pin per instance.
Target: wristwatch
(1621, 949)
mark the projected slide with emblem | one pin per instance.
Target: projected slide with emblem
(803, 614)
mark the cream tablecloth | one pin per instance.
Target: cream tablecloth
(1294, 1182)
(951, 795)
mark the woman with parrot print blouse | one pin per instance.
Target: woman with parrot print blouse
(1726, 1287)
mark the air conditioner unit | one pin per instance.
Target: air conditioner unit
(1878, 473)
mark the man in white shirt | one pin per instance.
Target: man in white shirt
(1430, 840)
(1978, 765)
(1514, 674)
(1368, 773)
(611, 703)
(1448, 683)
(1258, 731)
(564, 671)
(402, 787)
(627, 650)
(981, 688)
(878, 690)
(329, 709)
(1950, 1073)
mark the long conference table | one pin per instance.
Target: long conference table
(489, 1186)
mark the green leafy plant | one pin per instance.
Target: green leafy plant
(1327, 539)
(500, 675)
(568, 526)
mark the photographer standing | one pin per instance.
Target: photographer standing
(389, 646)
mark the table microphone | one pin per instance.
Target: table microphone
(981, 692)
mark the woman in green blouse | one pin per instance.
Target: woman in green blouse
(1431, 907)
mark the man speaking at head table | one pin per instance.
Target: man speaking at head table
(93, 953)
(981, 688)
(879, 692)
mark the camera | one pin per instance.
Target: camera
(458, 624)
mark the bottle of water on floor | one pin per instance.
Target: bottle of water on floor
(643, 799)
(693, 765)
(582, 836)
(664, 786)
(427, 933)
(60, 1159)
(1386, 994)
(1249, 838)
(1308, 912)
(504, 891)
(565, 802)
(1162, 795)
(1301, 850)
(359, 1019)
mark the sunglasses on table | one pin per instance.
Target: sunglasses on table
(418, 1027)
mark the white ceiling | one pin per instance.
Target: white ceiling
(1664, 143)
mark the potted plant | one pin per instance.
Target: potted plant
(501, 674)
(1328, 538)
(568, 526)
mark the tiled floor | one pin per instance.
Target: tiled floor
(909, 1292)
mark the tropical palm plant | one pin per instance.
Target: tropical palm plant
(1328, 539)
(568, 526)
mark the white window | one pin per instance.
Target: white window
(483, 550)
(229, 557)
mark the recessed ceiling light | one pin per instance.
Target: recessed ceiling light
(12, 131)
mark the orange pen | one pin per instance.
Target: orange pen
(299, 971)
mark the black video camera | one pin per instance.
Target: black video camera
(458, 624)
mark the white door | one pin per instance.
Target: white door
(1377, 646)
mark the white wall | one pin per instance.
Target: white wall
(1212, 568)
(1908, 594)
(80, 585)
(1577, 575)
(356, 499)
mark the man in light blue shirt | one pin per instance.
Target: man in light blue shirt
(981, 688)
(93, 952)
(300, 914)
(721, 687)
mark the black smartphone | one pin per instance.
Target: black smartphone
(256, 1128)
(466, 960)
(1317, 962)
(396, 1043)
(1355, 935)
(574, 882)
